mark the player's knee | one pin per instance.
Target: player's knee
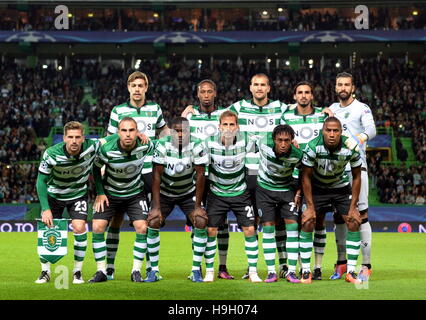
(364, 214)
(154, 220)
(249, 231)
(98, 227)
(353, 226)
(141, 226)
(309, 225)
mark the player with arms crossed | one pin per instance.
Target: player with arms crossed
(325, 183)
(62, 182)
(121, 189)
(228, 191)
(149, 118)
(278, 196)
(179, 161)
(358, 123)
(204, 122)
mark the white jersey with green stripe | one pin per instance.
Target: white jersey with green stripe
(255, 119)
(276, 173)
(306, 127)
(123, 169)
(178, 178)
(149, 118)
(329, 167)
(227, 172)
(68, 174)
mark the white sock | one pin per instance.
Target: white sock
(45, 267)
(101, 266)
(341, 231)
(365, 230)
(137, 265)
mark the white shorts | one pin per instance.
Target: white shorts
(363, 194)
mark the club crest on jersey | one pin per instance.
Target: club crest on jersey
(346, 115)
(52, 239)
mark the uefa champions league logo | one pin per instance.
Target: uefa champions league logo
(30, 36)
(179, 37)
(328, 36)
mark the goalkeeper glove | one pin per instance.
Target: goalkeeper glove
(362, 137)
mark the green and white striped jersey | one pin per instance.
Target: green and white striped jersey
(275, 173)
(202, 124)
(149, 117)
(68, 174)
(123, 170)
(254, 120)
(329, 168)
(306, 127)
(178, 178)
(227, 172)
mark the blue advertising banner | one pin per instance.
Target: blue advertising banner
(383, 219)
(91, 37)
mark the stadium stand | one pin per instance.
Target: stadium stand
(218, 19)
(35, 101)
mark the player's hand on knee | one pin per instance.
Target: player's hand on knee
(155, 218)
(199, 218)
(47, 218)
(309, 215)
(354, 217)
(100, 203)
(189, 109)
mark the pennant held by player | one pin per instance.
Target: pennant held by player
(52, 242)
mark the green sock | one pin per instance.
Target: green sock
(353, 244)
(305, 249)
(154, 247)
(269, 247)
(199, 242)
(292, 245)
(252, 251)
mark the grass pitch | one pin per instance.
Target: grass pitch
(398, 273)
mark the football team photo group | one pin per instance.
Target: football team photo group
(278, 167)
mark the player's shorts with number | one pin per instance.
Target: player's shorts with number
(135, 206)
(275, 203)
(77, 208)
(218, 208)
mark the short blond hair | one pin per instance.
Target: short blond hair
(227, 114)
(73, 125)
(137, 75)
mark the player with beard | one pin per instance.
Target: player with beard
(358, 123)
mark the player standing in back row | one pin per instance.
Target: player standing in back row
(358, 123)
(149, 118)
(204, 122)
(258, 116)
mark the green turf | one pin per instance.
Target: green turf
(398, 264)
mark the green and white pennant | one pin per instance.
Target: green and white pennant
(52, 242)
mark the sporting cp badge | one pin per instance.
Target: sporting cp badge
(52, 239)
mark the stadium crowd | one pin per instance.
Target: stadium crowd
(34, 101)
(213, 20)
